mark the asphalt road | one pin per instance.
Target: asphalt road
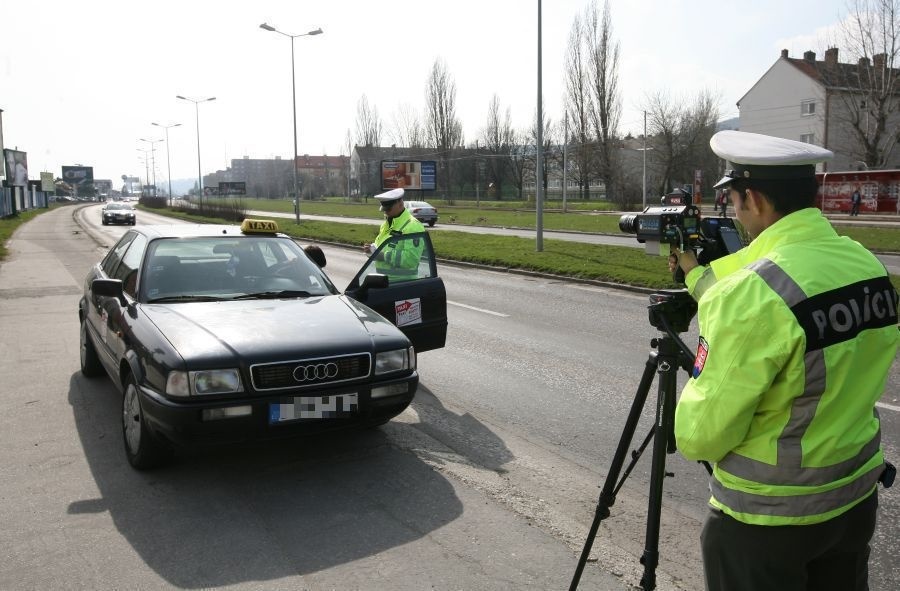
(489, 481)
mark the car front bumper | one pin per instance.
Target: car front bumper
(112, 219)
(185, 422)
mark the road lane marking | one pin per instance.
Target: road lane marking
(500, 314)
(609, 290)
(888, 406)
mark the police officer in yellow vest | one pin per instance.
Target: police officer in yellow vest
(399, 260)
(798, 332)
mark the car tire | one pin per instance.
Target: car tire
(90, 362)
(143, 450)
(105, 222)
(431, 224)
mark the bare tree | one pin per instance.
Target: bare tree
(407, 130)
(578, 106)
(497, 136)
(549, 158)
(602, 54)
(368, 124)
(443, 131)
(519, 156)
(869, 90)
(679, 130)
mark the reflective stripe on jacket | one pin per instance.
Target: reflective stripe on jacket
(796, 347)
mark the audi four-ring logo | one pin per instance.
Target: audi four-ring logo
(315, 371)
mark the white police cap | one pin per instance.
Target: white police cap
(763, 157)
(391, 195)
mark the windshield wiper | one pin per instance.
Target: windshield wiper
(271, 295)
(186, 298)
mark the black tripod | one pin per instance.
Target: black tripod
(671, 312)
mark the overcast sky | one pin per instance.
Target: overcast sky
(81, 81)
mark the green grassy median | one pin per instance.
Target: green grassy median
(614, 264)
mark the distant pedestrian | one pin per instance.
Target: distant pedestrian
(855, 200)
(724, 204)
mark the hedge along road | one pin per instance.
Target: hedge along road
(891, 261)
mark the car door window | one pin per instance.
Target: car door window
(407, 257)
(115, 254)
(128, 267)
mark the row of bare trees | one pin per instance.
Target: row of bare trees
(585, 140)
(585, 144)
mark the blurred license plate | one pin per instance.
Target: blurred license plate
(313, 407)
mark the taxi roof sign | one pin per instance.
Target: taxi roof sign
(250, 226)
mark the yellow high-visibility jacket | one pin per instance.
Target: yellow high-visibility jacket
(795, 348)
(400, 260)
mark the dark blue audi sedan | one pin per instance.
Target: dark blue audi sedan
(220, 334)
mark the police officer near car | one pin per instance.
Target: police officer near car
(400, 259)
(798, 331)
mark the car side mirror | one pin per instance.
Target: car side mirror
(375, 281)
(371, 281)
(110, 288)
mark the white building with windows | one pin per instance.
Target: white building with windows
(813, 101)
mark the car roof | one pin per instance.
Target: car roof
(198, 231)
(419, 203)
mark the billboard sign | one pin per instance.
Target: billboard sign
(48, 185)
(78, 175)
(414, 175)
(16, 168)
(233, 188)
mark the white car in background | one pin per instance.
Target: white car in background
(422, 211)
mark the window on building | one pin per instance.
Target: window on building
(808, 138)
(808, 108)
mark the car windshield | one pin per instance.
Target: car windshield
(125, 206)
(227, 268)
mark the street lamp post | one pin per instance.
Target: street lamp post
(294, 102)
(152, 160)
(146, 167)
(168, 162)
(197, 115)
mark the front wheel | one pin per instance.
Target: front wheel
(90, 362)
(142, 448)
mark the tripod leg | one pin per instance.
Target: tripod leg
(664, 442)
(608, 493)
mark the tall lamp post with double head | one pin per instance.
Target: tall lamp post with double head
(294, 102)
(146, 153)
(168, 162)
(152, 161)
(197, 114)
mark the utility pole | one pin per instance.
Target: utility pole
(565, 160)
(477, 164)
(644, 175)
(539, 161)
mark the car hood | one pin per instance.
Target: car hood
(269, 329)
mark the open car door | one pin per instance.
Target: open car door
(400, 282)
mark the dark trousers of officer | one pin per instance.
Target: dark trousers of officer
(829, 556)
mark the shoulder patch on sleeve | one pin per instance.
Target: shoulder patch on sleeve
(700, 360)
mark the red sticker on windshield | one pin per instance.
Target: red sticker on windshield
(700, 360)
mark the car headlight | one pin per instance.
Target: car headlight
(396, 360)
(200, 383)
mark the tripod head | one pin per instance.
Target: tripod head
(671, 310)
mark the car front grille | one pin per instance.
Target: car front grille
(306, 373)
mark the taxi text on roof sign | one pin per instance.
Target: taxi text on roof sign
(250, 226)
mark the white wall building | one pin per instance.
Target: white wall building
(814, 101)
